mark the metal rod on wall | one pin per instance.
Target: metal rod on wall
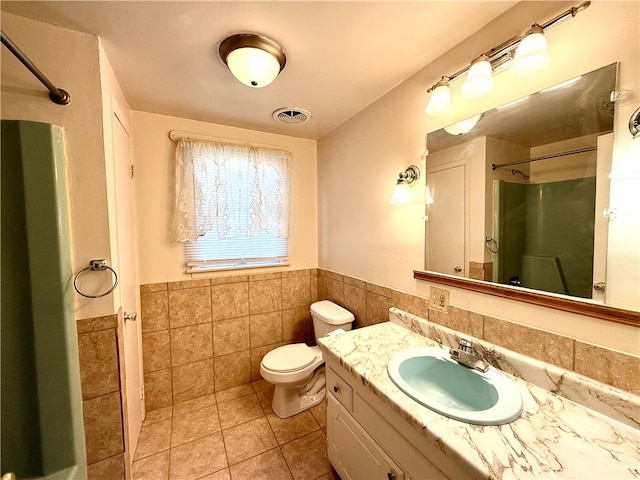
(56, 94)
(544, 157)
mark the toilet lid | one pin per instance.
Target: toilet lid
(289, 358)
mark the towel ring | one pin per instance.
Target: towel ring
(491, 244)
(96, 265)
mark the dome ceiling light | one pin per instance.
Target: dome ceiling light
(464, 126)
(253, 59)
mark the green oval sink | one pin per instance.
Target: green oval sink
(432, 378)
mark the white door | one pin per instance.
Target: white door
(133, 391)
(446, 221)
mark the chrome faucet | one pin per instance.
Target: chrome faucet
(465, 355)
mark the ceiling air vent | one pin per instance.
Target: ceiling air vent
(291, 116)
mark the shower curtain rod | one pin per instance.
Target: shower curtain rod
(57, 95)
(544, 157)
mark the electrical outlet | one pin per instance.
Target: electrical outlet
(439, 299)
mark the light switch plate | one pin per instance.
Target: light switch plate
(439, 299)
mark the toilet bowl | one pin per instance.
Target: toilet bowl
(297, 370)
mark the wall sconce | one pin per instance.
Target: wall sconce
(254, 60)
(629, 165)
(428, 199)
(525, 55)
(402, 191)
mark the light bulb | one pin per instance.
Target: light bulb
(440, 102)
(531, 56)
(401, 194)
(479, 82)
(253, 66)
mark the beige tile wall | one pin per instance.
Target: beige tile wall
(369, 302)
(481, 271)
(101, 406)
(370, 305)
(205, 336)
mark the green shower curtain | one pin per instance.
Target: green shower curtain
(545, 232)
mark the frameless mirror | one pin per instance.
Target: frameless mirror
(519, 198)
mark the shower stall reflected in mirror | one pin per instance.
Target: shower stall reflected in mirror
(545, 235)
(544, 221)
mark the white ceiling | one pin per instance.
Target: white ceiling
(341, 55)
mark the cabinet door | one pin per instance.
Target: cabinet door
(352, 452)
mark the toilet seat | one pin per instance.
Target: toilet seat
(289, 358)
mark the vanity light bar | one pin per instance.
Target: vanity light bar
(502, 54)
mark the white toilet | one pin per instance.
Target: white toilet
(297, 370)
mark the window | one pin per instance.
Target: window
(232, 205)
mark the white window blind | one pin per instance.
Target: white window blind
(232, 205)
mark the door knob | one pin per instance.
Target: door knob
(599, 287)
(130, 316)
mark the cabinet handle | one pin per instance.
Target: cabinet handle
(335, 389)
(391, 476)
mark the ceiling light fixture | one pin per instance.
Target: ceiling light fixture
(401, 192)
(253, 59)
(464, 126)
(530, 58)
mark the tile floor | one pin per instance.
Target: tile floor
(233, 435)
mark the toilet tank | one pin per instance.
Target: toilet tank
(327, 317)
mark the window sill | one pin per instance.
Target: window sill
(199, 271)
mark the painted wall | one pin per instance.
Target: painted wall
(160, 258)
(70, 60)
(362, 236)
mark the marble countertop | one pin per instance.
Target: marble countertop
(553, 438)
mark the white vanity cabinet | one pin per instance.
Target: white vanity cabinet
(362, 443)
(353, 453)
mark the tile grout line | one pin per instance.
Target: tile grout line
(170, 441)
(262, 416)
(224, 444)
